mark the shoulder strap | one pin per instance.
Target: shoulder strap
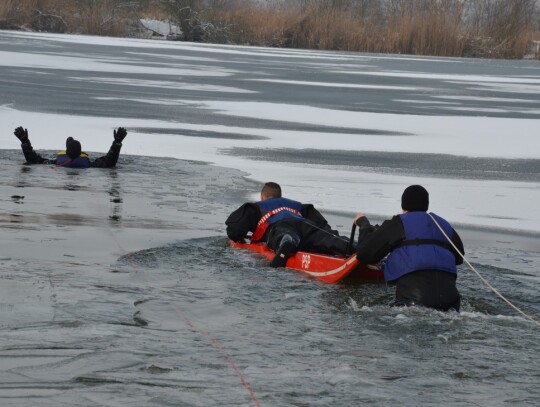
(417, 242)
(263, 224)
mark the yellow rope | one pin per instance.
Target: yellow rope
(528, 317)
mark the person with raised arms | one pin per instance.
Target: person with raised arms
(286, 226)
(421, 260)
(72, 156)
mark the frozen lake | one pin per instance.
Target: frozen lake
(117, 286)
(348, 131)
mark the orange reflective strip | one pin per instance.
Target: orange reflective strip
(263, 224)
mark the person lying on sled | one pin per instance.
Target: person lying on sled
(286, 226)
(72, 156)
(421, 260)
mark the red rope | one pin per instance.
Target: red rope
(207, 335)
(218, 346)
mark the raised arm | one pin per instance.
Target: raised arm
(111, 158)
(29, 154)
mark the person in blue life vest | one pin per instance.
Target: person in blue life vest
(286, 226)
(72, 156)
(420, 259)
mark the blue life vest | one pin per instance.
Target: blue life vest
(274, 210)
(424, 247)
(63, 160)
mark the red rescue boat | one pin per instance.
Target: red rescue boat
(330, 269)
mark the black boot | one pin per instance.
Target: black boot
(286, 249)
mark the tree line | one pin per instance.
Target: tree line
(472, 28)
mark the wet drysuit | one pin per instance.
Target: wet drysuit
(421, 261)
(83, 161)
(271, 219)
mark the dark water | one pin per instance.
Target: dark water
(117, 288)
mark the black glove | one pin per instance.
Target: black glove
(120, 134)
(21, 134)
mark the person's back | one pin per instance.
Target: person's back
(420, 259)
(424, 247)
(64, 160)
(285, 225)
(72, 156)
(273, 210)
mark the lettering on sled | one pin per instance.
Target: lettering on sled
(329, 269)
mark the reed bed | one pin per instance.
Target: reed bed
(476, 28)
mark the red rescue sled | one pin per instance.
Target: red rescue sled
(330, 269)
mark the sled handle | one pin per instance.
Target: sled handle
(351, 240)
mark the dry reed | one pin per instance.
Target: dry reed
(486, 28)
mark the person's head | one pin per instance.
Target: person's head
(270, 190)
(415, 198)
(73, 148)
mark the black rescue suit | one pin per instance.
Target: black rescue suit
(421, 262)
(271, 219)
(83, 161)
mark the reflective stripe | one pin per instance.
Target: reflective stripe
(83, 154)
(276, 211)
(263, 223)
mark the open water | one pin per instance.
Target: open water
(187, 321)
(117, 287)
